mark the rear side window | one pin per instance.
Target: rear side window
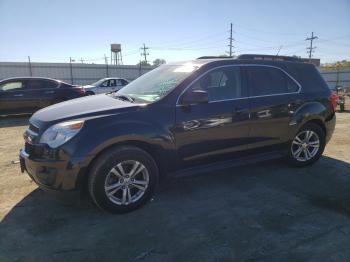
(41, 84)
(269, 81)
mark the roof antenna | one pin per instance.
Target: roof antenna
(279, 50)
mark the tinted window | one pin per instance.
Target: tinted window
(119, 82)
(11, 85)
(113, 82)
(105, 84)
(221, 84)
(41, 83)
(269, 81)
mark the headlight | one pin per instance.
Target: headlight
(60, 133)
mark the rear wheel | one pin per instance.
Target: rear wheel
(123, 179)
(307, 145)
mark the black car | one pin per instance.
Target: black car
(28, 94)
(179, 119)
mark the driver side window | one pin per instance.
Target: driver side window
(221, 84)
(11, 86)
(105, 84)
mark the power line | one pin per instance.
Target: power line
(231, 40)
(311, 48)
(144, 53)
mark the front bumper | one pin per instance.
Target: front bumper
(53, 175)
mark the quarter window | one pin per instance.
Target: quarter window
(221, 84)
(269, 81)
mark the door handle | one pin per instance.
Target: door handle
(264, 114)
(18, 95)
(49, 92)
(238, 110)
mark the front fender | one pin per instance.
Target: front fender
(108, 131)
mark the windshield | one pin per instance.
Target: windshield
(158, 83)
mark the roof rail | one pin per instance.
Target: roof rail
(269, 57)
(215, 57)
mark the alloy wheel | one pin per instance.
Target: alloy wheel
(305, 145)
(126, 182)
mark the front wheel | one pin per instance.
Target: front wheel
(307, 145)
(123, 179)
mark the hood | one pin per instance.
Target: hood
(89, 106)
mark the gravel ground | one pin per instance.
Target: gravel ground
(262, 212)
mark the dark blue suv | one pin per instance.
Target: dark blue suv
(179, 119)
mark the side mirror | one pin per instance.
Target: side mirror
(195, 97)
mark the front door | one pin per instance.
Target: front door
(104, 87)
(13, 97)
(207, 132)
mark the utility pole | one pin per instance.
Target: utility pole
(106, 62)
(231, 40)
(30, 67)
(144, 53)
(71, 69)
(311, 48)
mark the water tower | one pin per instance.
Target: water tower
(116, 54)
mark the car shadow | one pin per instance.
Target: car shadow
(12, 121)
(250, 212)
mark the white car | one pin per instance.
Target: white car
(105, 85)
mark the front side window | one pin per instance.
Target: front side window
(269, 81)
(105, 84)
(9, 86)
(221, 84)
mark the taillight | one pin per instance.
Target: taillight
(333, 100)
(80, 90)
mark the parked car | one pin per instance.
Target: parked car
(28, 94)
(105, 85)
(179, 119)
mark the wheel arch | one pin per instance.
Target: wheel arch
(154, 151)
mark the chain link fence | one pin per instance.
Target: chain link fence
(74, 73)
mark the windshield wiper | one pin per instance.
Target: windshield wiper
(125, 98)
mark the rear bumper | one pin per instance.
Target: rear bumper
(52, 175)
(330, 126)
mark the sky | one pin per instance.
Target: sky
(54, 31)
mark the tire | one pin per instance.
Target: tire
(106, 176)
(303, 158)
(90, 93)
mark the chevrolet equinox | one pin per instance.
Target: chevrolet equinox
(177, 119)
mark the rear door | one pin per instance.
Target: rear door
(214, 130)
(41, 92)
(274, 96)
